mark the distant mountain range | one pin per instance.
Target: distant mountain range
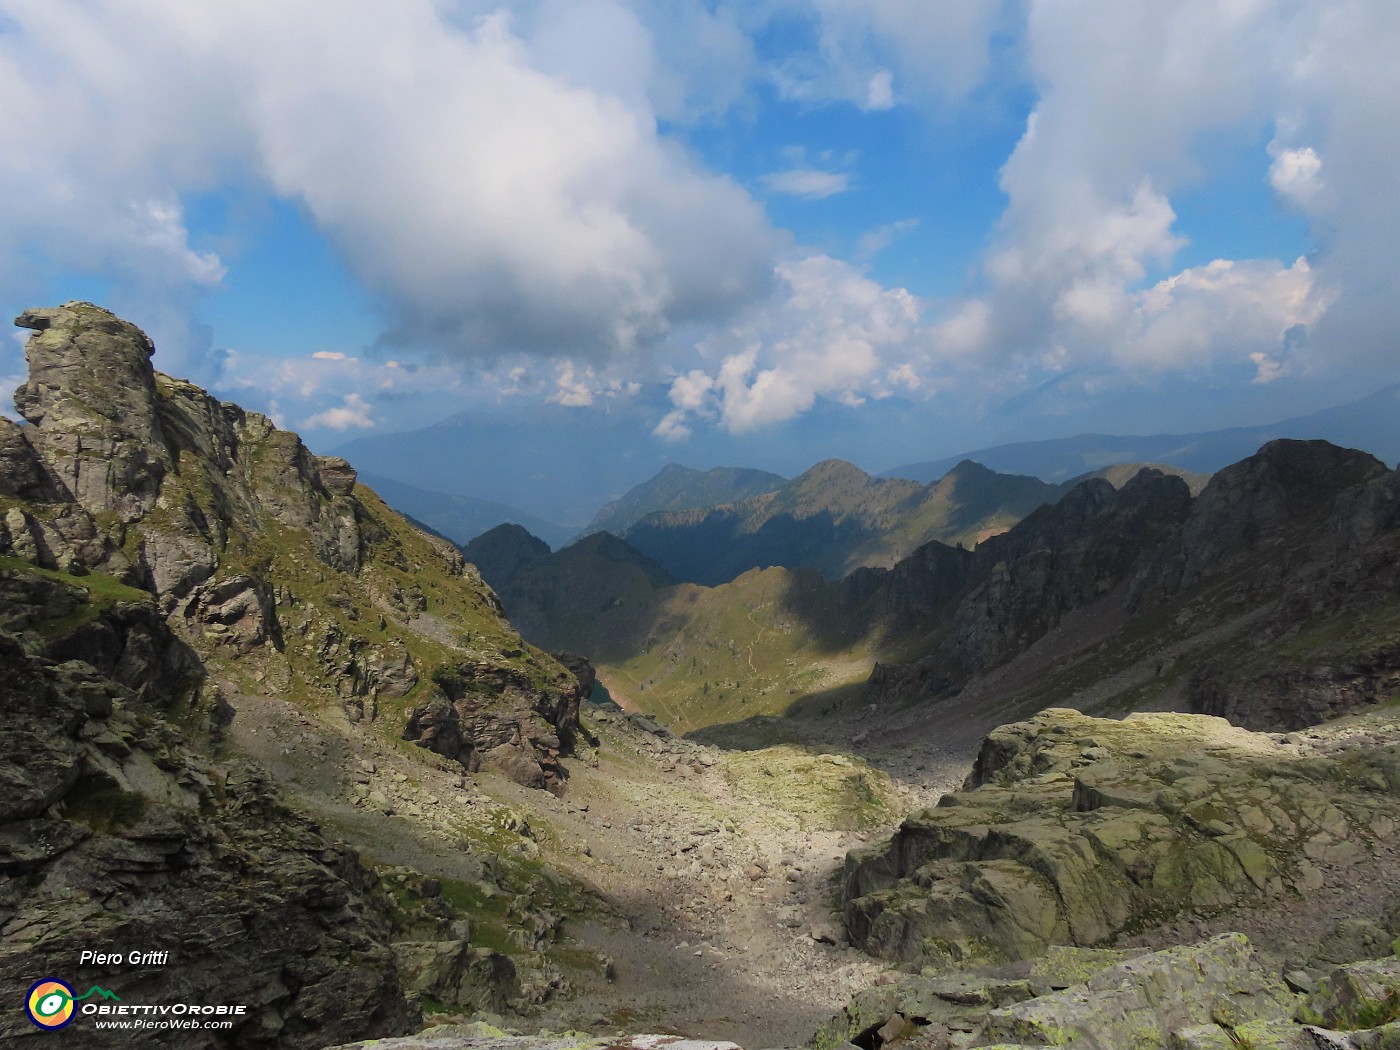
(1371, 424)
(536, 465)
(683, 488)
(553, 470)
(461, 518)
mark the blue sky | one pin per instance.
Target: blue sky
(1009, 219)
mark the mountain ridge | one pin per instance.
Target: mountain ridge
(1371, 423)
(834, 517)
(678, 487)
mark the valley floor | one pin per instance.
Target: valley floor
(709, 873)
(715, 871)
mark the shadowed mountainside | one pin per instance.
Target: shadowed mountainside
(682, 488)
(835, 518)
(1280, 562)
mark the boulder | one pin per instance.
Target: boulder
(456, 974)
(336, 474)
(1143, 1002)
(1070, 830)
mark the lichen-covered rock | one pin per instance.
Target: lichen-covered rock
(336, 474)
(22, 473)
(1142, 1002)
(1070, 829)
(961, 1001)
(457, 974)
(91, 398)
(1357, 995)
(479, 1036)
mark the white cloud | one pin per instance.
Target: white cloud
(352, 412)
(808, 183)
(498, 193)
(500, 175)
(330, 387)
(880, 93)
(830, 332)
(571, 390)
(1268, 368)
(1225, 309)
(1294, 174)
(1082, 272)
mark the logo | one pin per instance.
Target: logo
(50, 1003)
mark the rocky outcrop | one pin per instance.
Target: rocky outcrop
(1072, 829)
(1286, 485)
(1295, 697)
(259, 554)
(486, 715)
(458, 974)
(91, 398)
(1145, 1003)
(1212, 995)
(934, 1008)
(116, 833)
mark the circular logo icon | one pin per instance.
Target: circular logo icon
(50, 1003)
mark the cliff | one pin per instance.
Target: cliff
(271, 563)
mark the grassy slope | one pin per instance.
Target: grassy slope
(719, 654)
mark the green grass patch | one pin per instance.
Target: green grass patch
(101, 593)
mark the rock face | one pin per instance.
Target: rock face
(1073, 829)
(1302, 539)
(91, 397)
(115, 833)
(259, 554)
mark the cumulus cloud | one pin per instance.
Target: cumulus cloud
(329, 389)
(1294, 174)
(1081, 273)
(831, 332)
(352, 412)
(505, 179)
(578, 386)
(875, 53)
(498, 193)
